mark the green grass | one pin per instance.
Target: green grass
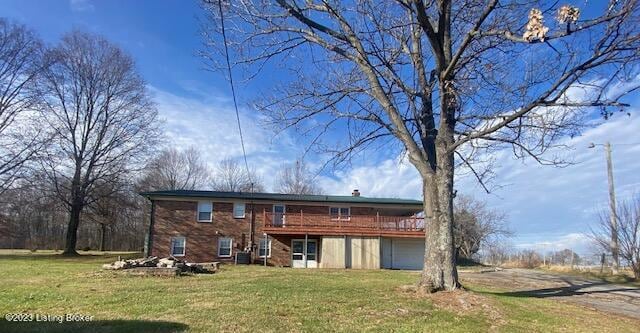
(254, 298)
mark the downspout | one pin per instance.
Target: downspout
(252, 231)
(149, 237)
(252, 226)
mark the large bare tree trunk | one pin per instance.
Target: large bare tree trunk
(72, 231)
(103, 230)
(74, 212)
(439, 272)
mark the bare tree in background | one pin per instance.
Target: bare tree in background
(295, 178)
(497, 253)
(176, 169)
(566, 257)
(103, 119)
(446, 81)
(104, 211)
(21, 63)
(528, 258)
(229, 176)
(475, 225)
(628, 233)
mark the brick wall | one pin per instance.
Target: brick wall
(179, 219)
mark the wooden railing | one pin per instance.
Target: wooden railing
(355, 224)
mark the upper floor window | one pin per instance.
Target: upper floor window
(178, 246)
(224, 247)
(238, 210)
(340, 213)
(205, 211)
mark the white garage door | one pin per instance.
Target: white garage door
(407, 253)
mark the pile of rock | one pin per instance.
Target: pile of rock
(161, 266)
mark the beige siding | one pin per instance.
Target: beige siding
(332, 252)
(364, 252)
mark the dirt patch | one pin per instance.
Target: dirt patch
(461, 302)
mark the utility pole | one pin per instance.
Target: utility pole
(612, 208)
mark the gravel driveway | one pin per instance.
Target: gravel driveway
(597, 294)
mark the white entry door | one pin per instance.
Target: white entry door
(299, 254)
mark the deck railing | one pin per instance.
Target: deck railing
(348, 224)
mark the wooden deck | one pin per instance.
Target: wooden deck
(354, 225)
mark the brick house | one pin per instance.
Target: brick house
(324, 231)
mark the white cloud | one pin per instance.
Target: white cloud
(389, 178)
(81, 5)
(210, 125)
(578, 242)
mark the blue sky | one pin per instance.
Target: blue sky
(547, 207)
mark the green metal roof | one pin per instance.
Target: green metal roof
(283, 197)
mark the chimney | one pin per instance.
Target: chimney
(355, 193)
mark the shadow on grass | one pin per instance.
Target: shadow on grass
(572, 289)
(97, 326)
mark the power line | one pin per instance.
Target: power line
(233, 91)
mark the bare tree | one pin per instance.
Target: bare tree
(21, 62)
(628, 232)
(230, 176)
(103, 119)
(496, 253)
(444, 80)
(173, 169)
(475, 225)
(528, 258)
(296, 178)
(566, 257)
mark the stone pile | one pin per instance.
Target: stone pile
(168, 266)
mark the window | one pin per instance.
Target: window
(224, 247)
(205, 211)
(238, 210)
(265, 246)
(312, 249)
(340, 213)
(178, 246)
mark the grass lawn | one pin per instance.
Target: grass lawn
(254, 298)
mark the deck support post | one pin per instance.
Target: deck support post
(306, 237)
(266, 248)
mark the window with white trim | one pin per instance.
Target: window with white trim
(265, 247)
(238, 210)
(205, 211)
(224, 247)
(340, 213)
(178, 246)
